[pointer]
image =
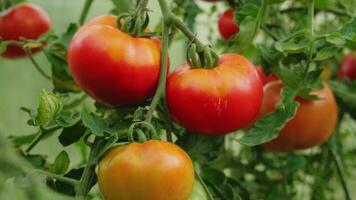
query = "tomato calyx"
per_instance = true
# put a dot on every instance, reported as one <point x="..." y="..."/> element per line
<point x="134" y="23"/>
<point x="201" y="57"/>
<point x="144" y="131"/>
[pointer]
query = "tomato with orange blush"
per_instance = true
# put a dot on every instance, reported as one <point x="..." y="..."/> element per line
<point x="312" y="125"/>
<point x="154" y="170"/>
<point x="22" y="21"/>
<point x="215" y="101"/>
<point x="113" y="67"/>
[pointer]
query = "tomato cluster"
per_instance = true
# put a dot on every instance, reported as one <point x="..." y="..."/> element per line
<point x="119" y="69"/>
<point x="22" y="21"/>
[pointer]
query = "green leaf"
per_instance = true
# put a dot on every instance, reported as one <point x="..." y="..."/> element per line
<point x="96" y="124"/>
<point x="106" y="144"/>
<point x="247" y="32"/>
<point x="61" y="163"/>
<point x="291" y="75"/>
<point x="270" y="2"/>
<point x="201" y="148"/>
<point x="198" y="192"/>
<point x="294" y="163"/>
<point x="66" y="188"/>
<point x="23" y="139"/>
<point x="246" y="10"/>
<point x="335" y="38"/>
<point x="56" y="53"/>
<point x="70" y="135"/>
<point x="348" y="31"/>
<point x="292" y="47"/>
<point x="68" y="35"/>
<point x="49" y="108"/>
<point x="345" y="93"/>
<point x="268" y="128"/>
<point x="123" y="5"/>
<point x="67" y="119"/>
<point x="326" y="53"/>
<point x="214" y="176"/>
<point x="37" y="161"/>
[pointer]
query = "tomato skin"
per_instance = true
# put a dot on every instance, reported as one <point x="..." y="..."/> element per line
<point x="271" y="77"/>
<point x="261" y="73"/>
<point x="266" y="79"/>
<point x="154" y="170"/>
<point x="215" y="101"/>
<point x="313" y="124"/>
<point x="348" y="67"/>
<point x="227" y="25"/>
<point x="22" y="21"/>
<point x="113" y="67"/>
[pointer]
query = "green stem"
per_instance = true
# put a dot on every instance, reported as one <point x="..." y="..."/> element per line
<point x="310" y="24"/>
<point x="260" y="16"/>
<point x="89" y="172"/>
<point x="296" y="34"/>
<point x="70" y="181"/>
<point x="339" y="167"/>
<point x="141" y="4"/>
<point x="168" y="121"/>
<point x="39" y="69"/>
<point x="85" y="11"/>
<point x="171" y="19"/>
<point x="200" y="179"/>
<point x="311" y="10"/>
<point x="163" y="74"/>
<point x="335" y="11"/>
<point x="270" y="33"/>
<point x="41" y="134"/>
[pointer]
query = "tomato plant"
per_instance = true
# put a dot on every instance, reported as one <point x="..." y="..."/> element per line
<point x="22" y="21"/>
<point x="215" y="128"/>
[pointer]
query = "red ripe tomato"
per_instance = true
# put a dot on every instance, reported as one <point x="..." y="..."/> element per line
<point x="313" y="124"/>
<point x="271" y="77"/>
<point x="215" y="101"/>
<point x="348" y="67"/>
<point x="113" y="67"/>
<point x="227" y="25"/>
<point x="265" y="79"/>
<point x="22" y="21"/>
<point x="261" y="73"/>
<point x="155" y="170"/>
